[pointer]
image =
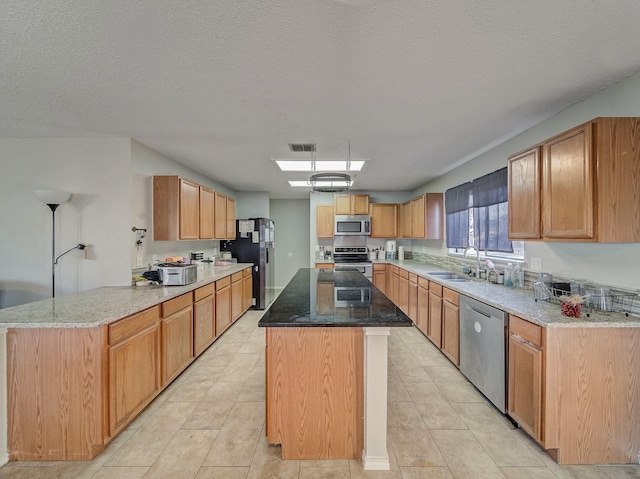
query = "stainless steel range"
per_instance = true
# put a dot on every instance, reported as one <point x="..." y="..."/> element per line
<point x="350" y="258"/>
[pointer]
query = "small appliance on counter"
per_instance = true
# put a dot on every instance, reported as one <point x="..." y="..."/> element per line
<point x="390" y="247"/>
<point x="177" y="274"/>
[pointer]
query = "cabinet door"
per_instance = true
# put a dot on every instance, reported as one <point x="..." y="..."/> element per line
<point x="223" y="309"/>
<point x="177" y="343"/>
<point x="231" y="219"/>
<point x="359" y="204"/>
<point x="524" y="195"/>
<point x="525" y="386"/>
<point x="406" y="220"/>
<point x="324" y="221"/>
<point x="206" y="213"/>
<point x="342" y="204"/>
<point x="418" y="220"/>
<point x="413" y="298"/>
<point x="434" y="332"/>
<point x="567" y="200"/>
<point x="189" y="210"/>
<point x="423" y="308"/>
<point x="392" y="285"/>
<point x="434" y="221"/>
<point x="220" y="216"/>
<point x="380" y="277"/>
<point x="403" y="292"/>
<point x="203" y="324"/>
<point x="236" y="296"/>
<point x="451" y="331"/>
<point x="134" y="375"/>
<point x="384" y="220"/>
<point x="247" y="289"/>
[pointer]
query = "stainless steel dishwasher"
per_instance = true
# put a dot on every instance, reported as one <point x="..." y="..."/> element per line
<point x="483" y="342"/>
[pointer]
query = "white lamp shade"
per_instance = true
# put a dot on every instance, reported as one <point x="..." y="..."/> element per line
<point x="53" y="197"/>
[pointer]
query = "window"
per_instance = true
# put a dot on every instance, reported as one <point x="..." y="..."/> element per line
<point x="477" y="217"/>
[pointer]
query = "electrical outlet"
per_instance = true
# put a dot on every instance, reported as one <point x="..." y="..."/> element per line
<point x="139" y="261"/>
<point x="536" y="264"/>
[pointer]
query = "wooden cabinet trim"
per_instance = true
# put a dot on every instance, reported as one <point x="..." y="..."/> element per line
<point x="176" y="304"/>
<point x="127" y="327"/>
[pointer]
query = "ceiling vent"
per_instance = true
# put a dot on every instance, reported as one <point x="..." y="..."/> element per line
<point x="297" y="147"/>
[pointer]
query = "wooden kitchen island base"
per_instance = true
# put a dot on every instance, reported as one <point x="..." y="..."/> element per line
<point x="327" y="393"/>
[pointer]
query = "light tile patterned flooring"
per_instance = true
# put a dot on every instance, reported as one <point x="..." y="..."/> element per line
<point x="209" y="424"/>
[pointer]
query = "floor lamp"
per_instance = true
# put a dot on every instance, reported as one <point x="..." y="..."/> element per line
<point x="53" y="199"/>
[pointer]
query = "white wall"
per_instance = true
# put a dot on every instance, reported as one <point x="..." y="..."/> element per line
<point x="97" y="173"/>
<point x="292" y="238"/>
<point x="252" y="205"/>
<point x="613" y="264"/>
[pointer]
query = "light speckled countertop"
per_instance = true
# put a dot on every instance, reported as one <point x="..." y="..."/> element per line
<point x="104" y="305"/>
<point x="518" y="301"/>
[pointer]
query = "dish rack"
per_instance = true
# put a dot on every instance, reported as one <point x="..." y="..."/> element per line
<point x="594" y="298"/>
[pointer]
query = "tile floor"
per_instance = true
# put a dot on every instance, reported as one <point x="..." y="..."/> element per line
<point x="209" y="424"/>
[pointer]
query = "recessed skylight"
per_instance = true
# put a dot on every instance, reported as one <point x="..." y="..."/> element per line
<point x="319" y="165"/>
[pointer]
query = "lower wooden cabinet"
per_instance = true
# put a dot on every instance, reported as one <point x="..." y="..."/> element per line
<point x="402" y="299"/>
<point x="392" y="284"/>
<point x="134" y="366"/>
<point x="247" y="289"/>
<point x="423" y="305"/>
<point x="434" y="329"/>
<point x="525" y="375"/>
<point x="451" y="325"/>
<point x="413" y="298"/>
<point x="223" y="305"/>
<point x="236" y="296"/>
<point x="204" y="320"/>
<point x="380" y="277"/>
<point x="177" y="336"/>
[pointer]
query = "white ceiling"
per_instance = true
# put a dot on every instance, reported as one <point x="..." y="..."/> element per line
<point x="222" y="86"/>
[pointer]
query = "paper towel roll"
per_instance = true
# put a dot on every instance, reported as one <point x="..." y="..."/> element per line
<point x="400" y="253"/>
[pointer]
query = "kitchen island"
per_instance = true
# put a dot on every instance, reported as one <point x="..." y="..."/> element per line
<point x="326" y="367"/>
<point x="81" y="367"/>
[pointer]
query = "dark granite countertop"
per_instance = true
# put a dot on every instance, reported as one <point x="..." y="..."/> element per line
<point x="310" y="300"/>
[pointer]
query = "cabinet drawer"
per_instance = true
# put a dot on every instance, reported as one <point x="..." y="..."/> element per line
<point x="247" y="272"/>
<point x="223" y="283"/>
<point x="127" y="327"/>
<point x="413" y="278"/>
<point x="423" y="282"/>
<point x="236" y="276"/>
<point x="451" y="296"/>
<point x="435" y="288"/>
<point x="176" y="304"/>
<point x="403" y="273"/>
<point x="379" y="267"/>
<point x="324" y="265"/>
<point x="526" y="330"/>
<point x="393" y="269"/>
<point x="203" y="292"/>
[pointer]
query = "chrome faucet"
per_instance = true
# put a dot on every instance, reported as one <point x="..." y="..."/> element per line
<point x="464" y="255"/>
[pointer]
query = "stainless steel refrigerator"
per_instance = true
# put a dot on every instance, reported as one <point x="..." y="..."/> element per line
<point x="254" y="243"/>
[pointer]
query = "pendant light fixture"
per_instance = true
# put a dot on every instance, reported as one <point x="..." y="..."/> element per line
<point x="332" y="182"/>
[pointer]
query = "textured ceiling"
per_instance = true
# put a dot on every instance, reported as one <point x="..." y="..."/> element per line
<point x="223" y="86"/>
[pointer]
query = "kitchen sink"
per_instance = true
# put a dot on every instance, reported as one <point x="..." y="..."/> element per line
<point x="449" y="276"/>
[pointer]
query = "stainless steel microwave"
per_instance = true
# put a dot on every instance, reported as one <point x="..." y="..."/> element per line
<point x="359" y="225"/>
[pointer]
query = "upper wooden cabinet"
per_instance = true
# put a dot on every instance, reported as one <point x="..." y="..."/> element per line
<point x="207" y="203"/>
<point x="384" y="220"/>
<point x="422" y="217"/>
<point x="224" y="217"/>
<point x="351" y="204"/>
<point x="579" y="185"/>
<point x="184" y="210"/>
<point x="524" y="195"/>
<point x="324" y="221"/>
